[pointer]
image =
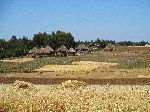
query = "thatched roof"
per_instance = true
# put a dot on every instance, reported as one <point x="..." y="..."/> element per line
<point x="48" y="49"/>
<point x="40" y="51"/>
<point x="93" y="44"/>
<point x="62" y="49"/>
<point x="82" y="47"/>
<point x="33" y="50"/>
<point x="93" y="48"/>
<point x="110" y="47"/>
<point x="71" y="50"/>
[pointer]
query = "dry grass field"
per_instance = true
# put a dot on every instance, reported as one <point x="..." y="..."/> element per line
<point x="92" y="98"/>
<point x="114" y="82"/>
<point x="77" y="67"/>
<point x="19" y="60"/>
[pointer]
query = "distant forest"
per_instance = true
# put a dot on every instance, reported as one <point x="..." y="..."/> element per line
<point x="16" y="47"/>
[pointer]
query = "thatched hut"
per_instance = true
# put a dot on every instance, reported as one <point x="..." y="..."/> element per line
<point x="33" y="50"/>
<point x="71" y="52"/>
<point x="82" y="48"/>
<point x="40" y="52"/>
<point x="48" y="51"/>
<point x="62" y="51"/>
<point x="110" y="47"/>
<point x="93" y="47"/>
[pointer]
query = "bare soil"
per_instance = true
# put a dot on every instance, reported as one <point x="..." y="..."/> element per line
<point x="118" y="81"/>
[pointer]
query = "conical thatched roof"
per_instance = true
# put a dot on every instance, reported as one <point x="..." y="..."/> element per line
<point x="110" y="47"/>
<point x="82" y="47"/>
<point x="71" y="50"/>
<point x="33" y="50"/>
<point x="48" y="49"/>
<point x="62" y="49"/>
<point x="39" y="51"/>
<point x="91" y="44"/>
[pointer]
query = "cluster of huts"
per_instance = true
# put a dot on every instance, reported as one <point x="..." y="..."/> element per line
<point x="63" y="51"/>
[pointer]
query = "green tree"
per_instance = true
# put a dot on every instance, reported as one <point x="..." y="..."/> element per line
<point x="40" y="39"/>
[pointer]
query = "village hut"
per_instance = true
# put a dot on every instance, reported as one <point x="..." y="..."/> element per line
<point x="32" y="52"/>
<point x="40" y="52"/>
<point x="62" y="51"/>
<point x="81" y="48"/>
<point x="110" y="47"/>
<point x="48" y="51"/>
<point x="93" y="47"/>
<point x="71" y="52"/>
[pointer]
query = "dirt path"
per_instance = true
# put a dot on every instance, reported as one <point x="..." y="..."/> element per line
<point x="121" y="81"/>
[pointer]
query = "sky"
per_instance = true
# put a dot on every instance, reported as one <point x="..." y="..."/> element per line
<point x="86" y="19"/>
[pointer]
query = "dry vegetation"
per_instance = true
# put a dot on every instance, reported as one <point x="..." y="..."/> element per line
<point x="75" y="95"/>
<point x="19" y="60"/>
<point x="125" y="60"/>
<point x="97" y="98"/>
<point x="22" y="85"/>
<point x="81" y="66"/>
<point x="73" y="84"/>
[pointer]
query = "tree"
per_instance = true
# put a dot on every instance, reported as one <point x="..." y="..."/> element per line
<point x="2" y="44"/>
<point x="40" y="39"/>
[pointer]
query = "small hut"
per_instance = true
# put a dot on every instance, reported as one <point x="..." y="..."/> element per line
<point x="32" y="52"/>
<point x="62" y="51"/>
<point x="93" y="47"/>
<point x="48" y="51"/>
<point x="82" y="48"/>
<point x="40" y="52"/>
<point x="110" y="47"/>
<point x="71" y="52"/>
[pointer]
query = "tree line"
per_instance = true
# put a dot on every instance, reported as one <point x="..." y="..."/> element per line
<point x="16" y="47"/>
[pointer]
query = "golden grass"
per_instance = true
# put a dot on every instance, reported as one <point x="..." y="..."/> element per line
<point x="23" y="85"/>
<point x="19" y="60"/>
<point x="94" y="98"/>
<point x="81" y="66"/>
<point x="73" y="84"/>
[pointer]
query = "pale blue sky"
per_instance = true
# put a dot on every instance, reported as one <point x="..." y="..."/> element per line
<point x="85" y="19"/>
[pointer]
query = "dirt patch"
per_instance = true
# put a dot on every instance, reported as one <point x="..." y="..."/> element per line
<point x="119" y="81"/>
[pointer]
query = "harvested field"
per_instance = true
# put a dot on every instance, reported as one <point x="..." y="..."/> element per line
<point x="22" y="85"/>
<point x="110" y="98"/>
<point x="19" y="60"/>
<point x="132" y="48"/>
<point x="81" y="66"/>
